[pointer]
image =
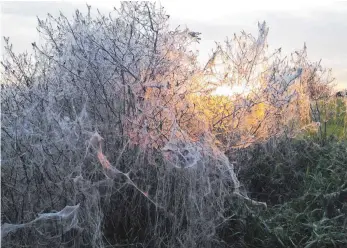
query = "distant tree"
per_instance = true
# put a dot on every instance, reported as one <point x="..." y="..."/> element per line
<point x="341" y="93"/>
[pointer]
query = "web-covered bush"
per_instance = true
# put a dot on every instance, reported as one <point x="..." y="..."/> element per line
<point x="109" y="138"/>
<point x="100" y="144"/>
<point x="275" y="95"/>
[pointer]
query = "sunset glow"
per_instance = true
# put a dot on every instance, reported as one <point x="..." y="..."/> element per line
<point x="226" y="90"/>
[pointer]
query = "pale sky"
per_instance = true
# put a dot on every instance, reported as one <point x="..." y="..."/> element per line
<point x="321" y="24"/>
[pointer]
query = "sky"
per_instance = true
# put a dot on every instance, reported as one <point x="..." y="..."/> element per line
<point x="321" y="24"/>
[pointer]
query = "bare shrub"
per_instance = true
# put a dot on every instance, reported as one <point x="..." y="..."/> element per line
<point x="98" y="122"/>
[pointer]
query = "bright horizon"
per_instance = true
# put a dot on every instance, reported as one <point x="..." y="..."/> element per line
<point x="321" y="24"/>
<point x="226" y="90"/>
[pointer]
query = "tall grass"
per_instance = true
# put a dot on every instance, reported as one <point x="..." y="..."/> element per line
<point x="304" y="185"/>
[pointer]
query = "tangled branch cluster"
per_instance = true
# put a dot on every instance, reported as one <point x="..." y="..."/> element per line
<point x="101" y="143"/>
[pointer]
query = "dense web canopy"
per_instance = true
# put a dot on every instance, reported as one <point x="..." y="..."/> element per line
<point x="111" y="136"/>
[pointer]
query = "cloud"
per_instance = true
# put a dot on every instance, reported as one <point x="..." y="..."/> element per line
<point x="322" y="25"/>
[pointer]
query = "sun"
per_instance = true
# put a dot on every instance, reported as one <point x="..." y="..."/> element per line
<point x="226" y="90"/>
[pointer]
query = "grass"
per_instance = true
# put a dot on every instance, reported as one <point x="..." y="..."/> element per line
<point x="305" y="187"/>
<point x="333" y="118"/>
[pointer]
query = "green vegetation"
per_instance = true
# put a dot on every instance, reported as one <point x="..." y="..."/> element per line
<point x="336" y="125"/>
<point x="305" y="187"/>
<point x="331" y="118"/>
